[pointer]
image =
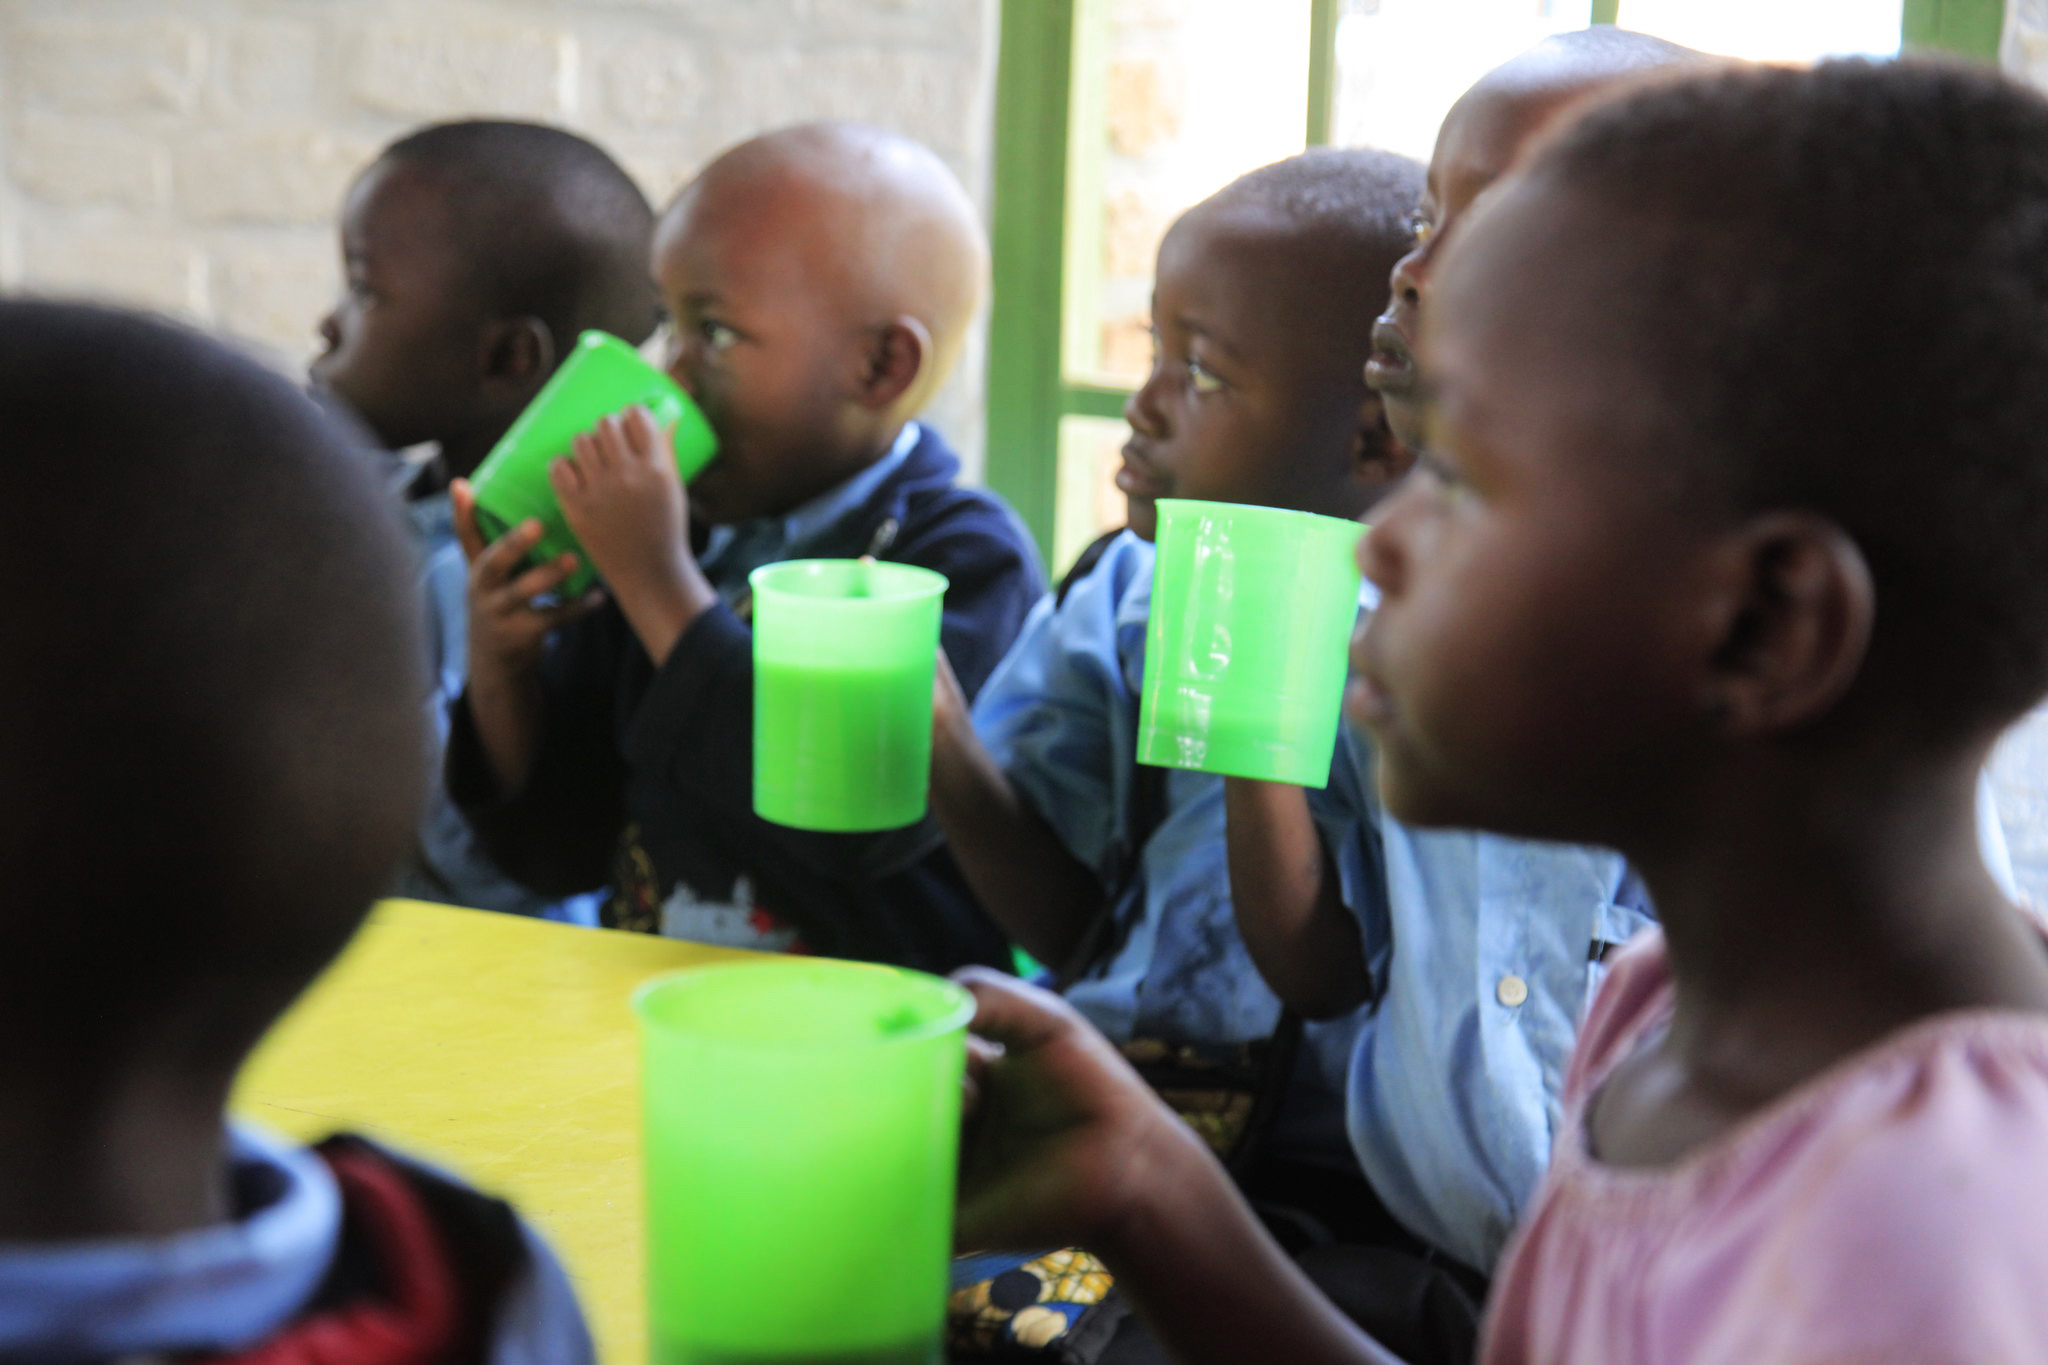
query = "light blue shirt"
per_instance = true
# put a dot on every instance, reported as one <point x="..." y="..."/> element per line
<point x="228" y="1287"/>
<point x="1483" y="953"/>
<point x="1060" y="716"/>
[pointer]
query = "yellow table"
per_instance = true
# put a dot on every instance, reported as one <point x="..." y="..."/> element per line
<point x="501" y="1048"/>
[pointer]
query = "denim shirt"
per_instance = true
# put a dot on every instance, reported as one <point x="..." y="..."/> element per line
<point x="1484" y="954"/>
<point x="1060" y="716"/>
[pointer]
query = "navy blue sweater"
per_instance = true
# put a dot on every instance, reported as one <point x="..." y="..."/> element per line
<point x="668" y="753"/>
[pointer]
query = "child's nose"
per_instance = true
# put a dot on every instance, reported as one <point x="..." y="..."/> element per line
<point x="1409" y="274"/>
<point x="1142" y="410"/>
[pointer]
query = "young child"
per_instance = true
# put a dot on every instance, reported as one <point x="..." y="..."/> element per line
<point x="1477" y="953"/>
<point x="475" y="253"/>
<point x="1672" y="579"/>
<point x="211" y="765"/>
<point x="1481" y="952"/>
<point x="1110" y="873"/>
<point x="820" y="281"/>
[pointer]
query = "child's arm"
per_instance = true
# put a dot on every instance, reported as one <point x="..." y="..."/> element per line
<point x="1066" y="1145"/>
<point x="1290" y="909"/>
<point x="1043" y="897"/>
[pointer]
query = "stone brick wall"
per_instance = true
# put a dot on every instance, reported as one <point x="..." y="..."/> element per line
<point x="190" y="155"/>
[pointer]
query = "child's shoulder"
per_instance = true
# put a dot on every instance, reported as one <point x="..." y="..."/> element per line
<point x="931" y="505"/>
<point x="1908" y="1185"/>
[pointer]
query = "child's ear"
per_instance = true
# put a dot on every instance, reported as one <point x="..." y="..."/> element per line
<point x="1379" y="459"/>
<point x="895" y="359"/>
<point x="1796" y="627"/>
<point x="516" y="357"/>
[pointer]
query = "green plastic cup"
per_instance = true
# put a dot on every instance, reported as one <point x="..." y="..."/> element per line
<point x="844" y="653"/>
<point x="1252" y="609"/>
<point x="602" y="376"/>
<point x="802" y="1142"/>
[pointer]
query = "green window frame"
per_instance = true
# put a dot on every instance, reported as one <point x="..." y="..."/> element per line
<point x="1051" y="84"/>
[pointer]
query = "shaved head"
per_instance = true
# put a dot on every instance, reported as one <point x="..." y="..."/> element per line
<point x="876" y="223"/>
<point x="1532" y="88"/>
<point x="821" y="280"/>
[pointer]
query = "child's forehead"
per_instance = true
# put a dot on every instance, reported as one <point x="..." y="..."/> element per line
<point x="760" y="233"/>
<point x="397" y="203"/>
<point x="1269" y="269"/>
<point x="1488" y="130"/>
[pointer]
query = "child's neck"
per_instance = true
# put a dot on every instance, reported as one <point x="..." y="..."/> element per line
<point x="142" y="1159"/>
<point x="1805" y="922"/>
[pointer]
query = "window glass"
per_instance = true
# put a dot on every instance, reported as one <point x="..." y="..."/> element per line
<point x="1772" y="30"/>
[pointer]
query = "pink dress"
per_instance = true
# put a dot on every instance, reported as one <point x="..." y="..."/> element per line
<point x="1895" y="1209"/>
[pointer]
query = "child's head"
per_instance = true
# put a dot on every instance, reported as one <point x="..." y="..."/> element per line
<point x="1262" y="311"/>
<point x="1481" y="137"/>
<point x="475" y="254"/>
<point x="214" y="748"/>
<point x="820" y="281"/>
<point x="1739" y="460"/>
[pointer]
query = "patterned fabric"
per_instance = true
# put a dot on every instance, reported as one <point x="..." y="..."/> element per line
<point x="1034" y="1306"/>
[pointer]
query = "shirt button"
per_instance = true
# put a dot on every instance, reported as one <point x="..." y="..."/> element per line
<point x="1511" y="991"/>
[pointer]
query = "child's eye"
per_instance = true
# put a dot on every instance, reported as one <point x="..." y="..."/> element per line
<point x="359" y="291"/>
<point x="1200" y="378"/>
<point x="717" y="335"/>
<point x="1421" y="227"/>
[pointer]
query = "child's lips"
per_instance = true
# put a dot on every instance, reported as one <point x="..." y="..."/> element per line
<point x="1391" y="366"/>
<point x="1137" y="479"/>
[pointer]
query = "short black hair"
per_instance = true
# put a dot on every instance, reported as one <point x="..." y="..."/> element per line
<point x="554" y="228"/>
<point x="1364" y="198"/>
<point x="1838" y="280"/>
<point x="213" y="748"/>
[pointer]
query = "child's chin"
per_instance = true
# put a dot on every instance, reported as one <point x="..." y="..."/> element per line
<point x="1413" y="800"/>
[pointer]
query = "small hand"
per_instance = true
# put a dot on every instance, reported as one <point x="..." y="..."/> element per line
<point x="1060" y="1128"/>
<point x="506" y="628"/>
<point x="621" y="496"/>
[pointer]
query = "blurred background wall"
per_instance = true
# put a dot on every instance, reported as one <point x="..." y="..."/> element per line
<point x="192" y="154"/>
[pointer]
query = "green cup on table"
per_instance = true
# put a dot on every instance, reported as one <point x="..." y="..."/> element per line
<point x="802" y="1122"/>
<point x="1252" y="610"/>
<point x="845" y="651"/>
<point x="601" y="377"/>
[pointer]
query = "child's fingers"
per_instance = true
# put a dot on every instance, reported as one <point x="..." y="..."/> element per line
<point x="496" y="562"/>
<point x="613" y="450"/>
<point x="544" y="578"/>
<point x="981" y="1055"/>
<point x="1011" y="1014"/>
<point x="643" y="434"/>
<point x="462" y="498"/>
<point x="565" y="475"/>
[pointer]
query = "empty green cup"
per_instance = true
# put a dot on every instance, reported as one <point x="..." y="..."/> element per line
<point x="1252" y="609"/>
<point x="602" y="376"/>
<point x="802" y="1142"/>
<point x="844" y="654"/>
